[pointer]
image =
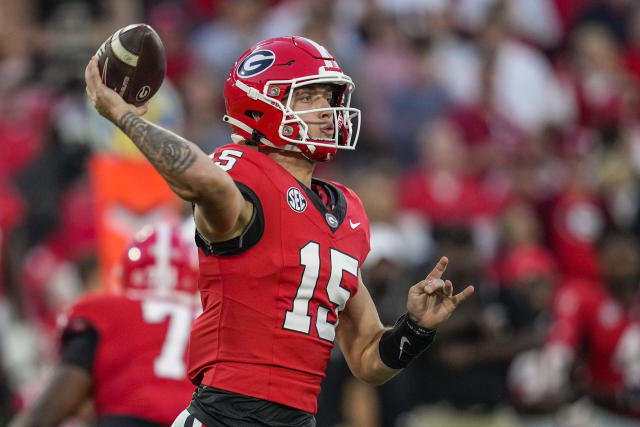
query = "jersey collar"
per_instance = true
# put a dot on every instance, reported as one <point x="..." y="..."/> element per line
<point x="335" y="213"/>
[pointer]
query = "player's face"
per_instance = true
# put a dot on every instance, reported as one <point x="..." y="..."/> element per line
<point x="311" y="97"/>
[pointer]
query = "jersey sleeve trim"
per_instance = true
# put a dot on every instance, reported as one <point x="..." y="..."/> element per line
<point x="79" y="347"/>
<point x="245" y="241"/>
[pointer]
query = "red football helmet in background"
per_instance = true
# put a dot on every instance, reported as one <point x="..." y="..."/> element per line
<point x="258" y="96"/>
<point x="158" y="258"/>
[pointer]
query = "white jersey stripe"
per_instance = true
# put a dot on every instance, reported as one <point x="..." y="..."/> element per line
<point x="181" y="419"/>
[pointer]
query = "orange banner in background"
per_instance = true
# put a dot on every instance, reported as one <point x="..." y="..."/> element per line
<point x="129" y="194"/>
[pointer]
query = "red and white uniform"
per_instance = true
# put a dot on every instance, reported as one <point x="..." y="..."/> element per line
<point x="585" y="313"/>
<point x="139" y="369"/>
<point x="270" y="312"/>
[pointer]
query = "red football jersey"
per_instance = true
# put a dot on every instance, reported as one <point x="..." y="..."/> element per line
<point x="140" y="362"/>
<point x="270" y="312"/>
<point x="584" y="312"/>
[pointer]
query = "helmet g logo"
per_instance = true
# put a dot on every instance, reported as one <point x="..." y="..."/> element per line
<point x="256" y="63"/>
<point x="296" y="200"/>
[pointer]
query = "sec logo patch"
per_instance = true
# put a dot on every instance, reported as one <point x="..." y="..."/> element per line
<point x="296" y="200"/>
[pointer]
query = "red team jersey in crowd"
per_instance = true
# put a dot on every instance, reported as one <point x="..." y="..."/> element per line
<point x="270" y="311"/>
<point x="586" y="314"/>
<point x="139" y="368"/>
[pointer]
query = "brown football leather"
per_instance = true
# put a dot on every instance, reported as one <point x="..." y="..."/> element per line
<point x="132" y="61"/>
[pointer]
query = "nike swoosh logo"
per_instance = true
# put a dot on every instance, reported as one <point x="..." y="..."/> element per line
<point x="353" y="224"/>
<point x="403" y="341"/>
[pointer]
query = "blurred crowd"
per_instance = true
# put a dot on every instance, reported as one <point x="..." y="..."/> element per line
<point x="504" y="134"/>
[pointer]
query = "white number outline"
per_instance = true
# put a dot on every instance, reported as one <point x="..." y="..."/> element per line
<point x="230" y="157"/>
<point x="170" y="362"/>
<point x="298" y="319"/>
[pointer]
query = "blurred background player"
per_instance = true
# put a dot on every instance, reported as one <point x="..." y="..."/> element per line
<point x="126" y="351"/>
<point x="593" y="345"/>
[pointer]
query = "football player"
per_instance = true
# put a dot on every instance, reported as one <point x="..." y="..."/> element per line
<point x="280" y="251"/>
<point x="127" y="351"/>
<point x="595" y="325"/>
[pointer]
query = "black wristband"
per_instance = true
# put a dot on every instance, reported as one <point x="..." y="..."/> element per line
<point x="403" y="343"/>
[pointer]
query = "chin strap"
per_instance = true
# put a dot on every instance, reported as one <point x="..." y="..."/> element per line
<point x="237" y="123"/>
<point x="251" y="92"/>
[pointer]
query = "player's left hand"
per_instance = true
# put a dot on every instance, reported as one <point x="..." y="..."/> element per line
<point x="431" y="301"/>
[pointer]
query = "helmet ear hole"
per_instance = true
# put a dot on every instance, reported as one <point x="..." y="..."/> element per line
<point x="254" y="115"/>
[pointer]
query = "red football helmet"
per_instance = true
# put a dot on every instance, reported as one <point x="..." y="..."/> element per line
<point x="160" y="259"/>
<point x="258" y="96"/>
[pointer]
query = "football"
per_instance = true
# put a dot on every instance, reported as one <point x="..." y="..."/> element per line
<point x="133" y="63"/>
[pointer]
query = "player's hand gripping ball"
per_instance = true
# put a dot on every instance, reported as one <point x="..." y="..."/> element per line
<point x="133" y="63"/>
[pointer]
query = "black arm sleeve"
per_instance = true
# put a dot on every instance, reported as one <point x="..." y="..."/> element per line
<point x="249" y="237"/>
<point x="79" y="345"/>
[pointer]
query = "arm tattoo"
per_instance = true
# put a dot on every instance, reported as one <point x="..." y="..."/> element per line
<point x="166" y="151"/>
